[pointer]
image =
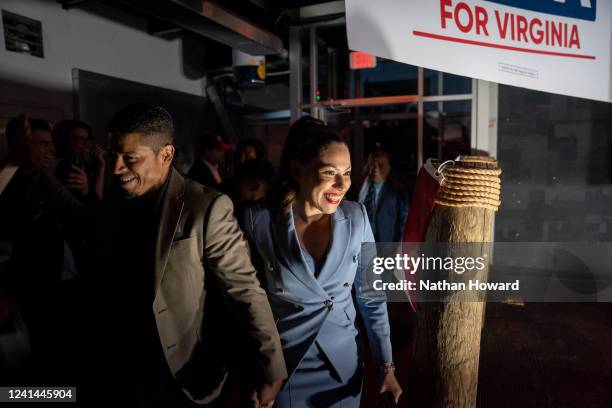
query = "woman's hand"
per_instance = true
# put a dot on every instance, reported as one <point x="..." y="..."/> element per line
<point x="388" y="383"/>
<point x="77" y="179"/>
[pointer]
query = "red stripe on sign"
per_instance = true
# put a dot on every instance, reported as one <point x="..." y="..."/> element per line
<point x="503" y="47"/>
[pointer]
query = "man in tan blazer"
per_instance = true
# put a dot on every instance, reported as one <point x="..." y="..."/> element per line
<point x="181" y="278"/>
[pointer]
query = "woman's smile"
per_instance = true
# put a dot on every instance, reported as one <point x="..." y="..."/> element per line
<point x="333" y="198"/>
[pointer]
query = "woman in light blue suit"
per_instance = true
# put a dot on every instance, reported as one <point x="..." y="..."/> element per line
<point x="307" y="245"/>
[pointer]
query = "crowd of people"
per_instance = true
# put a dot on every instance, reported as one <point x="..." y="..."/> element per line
<point x="166" y="290"/>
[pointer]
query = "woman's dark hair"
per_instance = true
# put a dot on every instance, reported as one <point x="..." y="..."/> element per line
<point x="307" y="138"/>
<point x="61" y="135"/>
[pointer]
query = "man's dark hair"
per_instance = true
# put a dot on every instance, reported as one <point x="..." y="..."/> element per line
<point x="260" y="170"/>
<point x="154" y="122"/>
<point x="61" y="134"/>
<point x="208" y="141"/>
<point x="13" y="128"/>
<point x="260" y="149"/>
<point x="380" y="153"/>
<point x="41" y="124"/>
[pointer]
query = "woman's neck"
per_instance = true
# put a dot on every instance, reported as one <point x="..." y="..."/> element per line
<point x="306" y="213"/>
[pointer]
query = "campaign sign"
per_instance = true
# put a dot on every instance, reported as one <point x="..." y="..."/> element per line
<point x="580" y="9"/>
<point x="557" y="46"/>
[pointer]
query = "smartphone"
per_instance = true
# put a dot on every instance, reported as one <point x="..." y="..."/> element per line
<point x="76" y="160"/>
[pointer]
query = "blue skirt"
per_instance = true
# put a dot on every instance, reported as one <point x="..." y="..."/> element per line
<point x="315" y="384"/>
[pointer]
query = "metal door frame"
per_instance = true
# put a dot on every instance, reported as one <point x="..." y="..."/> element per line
<point x="483" y="137"/>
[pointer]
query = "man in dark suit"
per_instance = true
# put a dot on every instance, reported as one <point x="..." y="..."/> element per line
<point x="206" y="169"/>
<point x="174" y="259"/>
<point x="385" y="199"/>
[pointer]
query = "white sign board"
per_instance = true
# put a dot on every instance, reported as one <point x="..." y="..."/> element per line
<point x="557" y="46"/>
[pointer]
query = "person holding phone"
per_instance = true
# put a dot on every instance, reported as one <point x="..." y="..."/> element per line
<point x="82" y="163"/>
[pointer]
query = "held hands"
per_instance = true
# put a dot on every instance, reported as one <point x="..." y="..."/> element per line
<point x="388" y="382"/>
<point x="77" y="179"/>
<point x="266" y="394"/>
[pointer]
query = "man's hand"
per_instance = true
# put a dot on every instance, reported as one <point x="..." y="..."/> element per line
<point x="100" y="154"/>
<point x="77" y="179"/>
<point x="266" y="394"/>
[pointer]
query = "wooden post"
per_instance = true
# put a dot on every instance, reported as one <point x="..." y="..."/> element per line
<point x="447" y="347"/>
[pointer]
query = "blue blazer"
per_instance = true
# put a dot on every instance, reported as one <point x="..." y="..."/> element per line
<point x="309" y="308"/>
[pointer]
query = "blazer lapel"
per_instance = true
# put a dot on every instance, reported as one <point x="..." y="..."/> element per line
<point x="171" y="210"/>
<point x="289" y="252"/>
<point x="341" y="235"/>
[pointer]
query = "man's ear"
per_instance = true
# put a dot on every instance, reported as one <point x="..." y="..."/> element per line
<point x="167" y="154"/>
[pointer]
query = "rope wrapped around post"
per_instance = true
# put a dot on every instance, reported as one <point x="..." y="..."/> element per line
<point x="472" y="181"/>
